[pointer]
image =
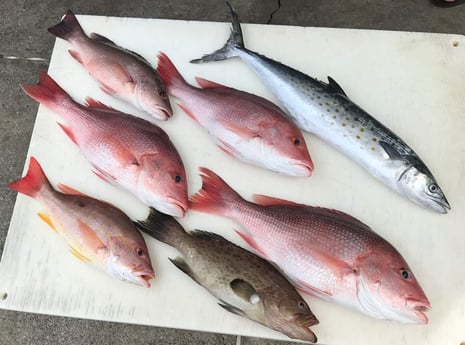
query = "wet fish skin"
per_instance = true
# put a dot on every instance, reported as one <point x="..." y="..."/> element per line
<point x="325" y="252"/>
<point x="123" y="73"/>
<point x="244" y="125"/>
<point x="325" y="110"/>
<point x="96" y="231"/>
<point x="124" y="150"/>
<point x="243" y="283"/>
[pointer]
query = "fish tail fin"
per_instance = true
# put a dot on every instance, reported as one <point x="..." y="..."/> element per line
<point x="68" y="27"/>
<point x="46" y="91"/>
<point x="169" y="73"/>
<point x="33" y="182"/>
<point x="163" y="228"/>
<point x="234" y="44"/>
<point x="215" y="196"/>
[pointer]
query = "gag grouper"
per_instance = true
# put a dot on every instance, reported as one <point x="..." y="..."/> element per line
<point x="325" y="110"/>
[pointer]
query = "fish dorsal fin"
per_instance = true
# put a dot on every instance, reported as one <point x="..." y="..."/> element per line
<point x="93" y="103"/>
<point x="69" y="190"/>
<point x="205" y="234"/>
<point x="391" y="151"/>
<point x="208" y="84"/>
<point x="264" y="200"/>
<point x="47" y="221"/>
<point x="335" y="86"/>
<point x="231" y="308"/>
<point x="245" y="291"/>
<point x="100" y="38"/>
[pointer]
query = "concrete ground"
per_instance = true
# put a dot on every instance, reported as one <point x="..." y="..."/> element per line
<point x="23" y="35"/>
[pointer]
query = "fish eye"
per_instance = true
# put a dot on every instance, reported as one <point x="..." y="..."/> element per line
<point x="433" y="188"/>
<point x="177" y="178"/>
<point x="162" y="93"/>
<point x="139" y="252"/>
<point x="296" y="141"/>
<point x="404" y="273"/>
<point x="301" y="305"/>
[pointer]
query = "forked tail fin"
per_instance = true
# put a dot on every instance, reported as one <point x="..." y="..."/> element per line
<point x="169" y="74"/>
<point x="215" y="196"/>
<point x="234" y="44"/>
<point x="69" y="27"/>
<point x="33" y="182"/>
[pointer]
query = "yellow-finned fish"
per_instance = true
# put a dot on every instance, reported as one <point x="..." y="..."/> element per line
<point x="96" y="231"/>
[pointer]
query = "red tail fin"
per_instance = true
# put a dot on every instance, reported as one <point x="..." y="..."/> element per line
<point x="215" y="196"/>
<point x="169" y="74"/>
<point x="33" y="182"/>
<point x="46" y="91"/>
<point x="68" y="27"/>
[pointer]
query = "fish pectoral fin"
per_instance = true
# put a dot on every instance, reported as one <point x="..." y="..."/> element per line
<point x="335" y="86"/>
<point x="245" y="291"/>
<point x="228" y="149"/>
<point x="242" y="132"/>
<point x="187" y="111"/>
<point x="78" y="254"/>
<point x="208" y="84"/>
<point x="99" y="38"/>
<point x="89" y="237"/>
<point x="251" y="242"/>
<point x="231" y="308"/>
<point x="183" y="266"/>
<point x="47" y="220"/>
<point x="265" y="200"/>
<point x="69" y="190"/>
<point x="390" y="151"/>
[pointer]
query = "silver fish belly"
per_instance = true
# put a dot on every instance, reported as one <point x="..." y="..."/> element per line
<point x="324" y="110"/>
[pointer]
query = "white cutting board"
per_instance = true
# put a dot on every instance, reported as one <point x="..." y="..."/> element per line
<point x="413" y="82"/>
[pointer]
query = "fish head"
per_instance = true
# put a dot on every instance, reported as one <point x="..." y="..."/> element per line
<point x="388" y="289"/>
<point x="286" y="150"/>
<point x="293" y="317"/>
<point x="129" y="260"/>
<point x="152" y="98"/>
<point x="163" y="184"/>
<point x="419" y="185"/>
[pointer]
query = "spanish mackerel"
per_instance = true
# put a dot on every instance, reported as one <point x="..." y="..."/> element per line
<point x="325" y="110"/>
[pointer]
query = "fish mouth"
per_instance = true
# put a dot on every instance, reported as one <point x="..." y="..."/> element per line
<point x="175" y="208"/>
<point x="441" y="205"/>
<point x="143" y="277"/>
<point x="303" y="168"/>
<point x="419" y="308"/>
<point x="305" y="333"/>
<point x="162" y="113"/>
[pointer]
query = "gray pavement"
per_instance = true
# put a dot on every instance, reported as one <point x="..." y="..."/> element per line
<point x="23" y="34"/>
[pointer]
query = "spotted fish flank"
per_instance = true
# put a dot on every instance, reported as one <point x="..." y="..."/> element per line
<point x="325" y="110"/>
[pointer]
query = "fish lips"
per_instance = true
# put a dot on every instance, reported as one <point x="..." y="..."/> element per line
<point x="174" y="207"/>
<point x="419" y="308"/>
<point x="440" y="205"/>
<point x="142" y="277"/>
<point x="305" y="333"/>
<point x="162" y="113"/>
<point x="302" y="168"/>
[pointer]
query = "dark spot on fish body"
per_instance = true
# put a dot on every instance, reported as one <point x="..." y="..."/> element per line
<point x="334" y="116"/>
<point x="375" y="140"/>
<point x="81" y="203"/>
<point x="362" y="129"/>
<point x="343" y="124"/>
<point x="358" y="137"/>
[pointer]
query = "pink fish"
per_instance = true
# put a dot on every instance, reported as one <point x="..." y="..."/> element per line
<point x="125" y="150"/>
<point x="123" y="74"/>
<point x="243" y="125"/>
<point x="96" y="231"/>
<point x="327" y="253"/>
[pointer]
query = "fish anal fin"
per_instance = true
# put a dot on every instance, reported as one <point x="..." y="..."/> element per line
<point x="75" y="55"/>
<point x="78" y="255"/>
<point x="69" y="133"/>
<point x="93" y="103"/>
<point x="251" y="242"/>
<point x="69" y="190"/>
<point x="265" y="200"/>
<point x="47" y="221"/>
<point x="245" y="291"/>
<point x="335" y="86"/>
<point x="188" y="112"/>
<point x="90" y="238"/>
<point x="231" y="308"/>
<point x="208" y="84"/>
<point x="183" y="266"/>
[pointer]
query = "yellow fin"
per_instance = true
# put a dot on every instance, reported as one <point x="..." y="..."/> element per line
<point x="47" y="220"/>
<point x="78" y="255"/>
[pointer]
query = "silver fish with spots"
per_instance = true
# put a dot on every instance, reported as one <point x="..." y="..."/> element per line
<point x="244" y="283"/>
<point x="325" y="110"/>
